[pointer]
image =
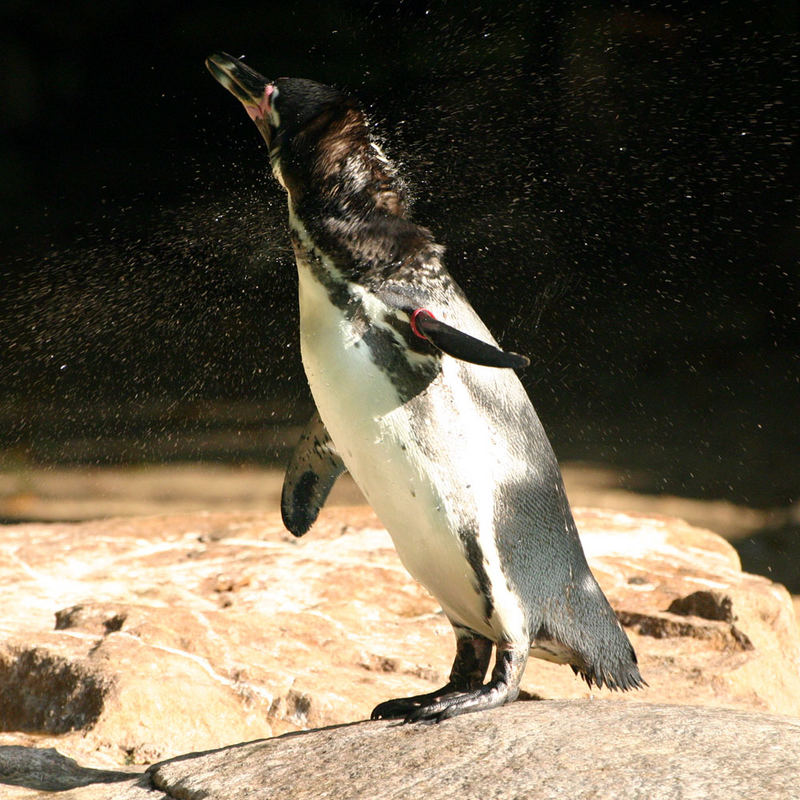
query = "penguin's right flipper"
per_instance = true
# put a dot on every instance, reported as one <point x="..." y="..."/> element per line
<point x="313" y="469"/>
<point x="461" y="345"/>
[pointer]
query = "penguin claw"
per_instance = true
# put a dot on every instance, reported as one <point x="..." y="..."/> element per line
<point x="492" y="695"/>
<point x="391" y="709"/>
<point x="400" y="708"/>
<point x="404" y="707"/>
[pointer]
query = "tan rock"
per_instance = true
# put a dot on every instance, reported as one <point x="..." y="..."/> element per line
<point x="131" y="640"/>
<point x="652" y="569"/>
<point x="796" y="604"/>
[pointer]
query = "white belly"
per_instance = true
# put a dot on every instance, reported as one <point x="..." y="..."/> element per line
<point x="423" y="492"/>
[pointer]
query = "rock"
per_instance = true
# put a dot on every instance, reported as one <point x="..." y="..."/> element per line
<point x="796" y="604"/>
<point x="551" y="749"/>
<point x="125" y="641"/>
<point x="582" y="749"/>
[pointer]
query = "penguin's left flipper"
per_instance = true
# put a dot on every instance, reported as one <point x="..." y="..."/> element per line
<point x="461" y="345"/>
<point x="313" y="469"/>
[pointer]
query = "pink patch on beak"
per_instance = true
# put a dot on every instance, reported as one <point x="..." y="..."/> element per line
<point x="262" y="109"/>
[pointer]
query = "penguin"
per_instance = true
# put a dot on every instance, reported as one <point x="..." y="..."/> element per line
<point x="418" y="402"/>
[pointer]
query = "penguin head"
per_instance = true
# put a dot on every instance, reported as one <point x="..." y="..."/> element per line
<point x="296" y="102"/>
<point x="281" y="109"/>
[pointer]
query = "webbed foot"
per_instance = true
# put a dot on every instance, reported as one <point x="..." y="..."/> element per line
<point x="457" y="698"/>
<point x="492" y="695"/>
<point x="402" y="707"/>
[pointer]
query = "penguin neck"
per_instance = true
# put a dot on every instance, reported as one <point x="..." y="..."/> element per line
<point x="347" y="205"/>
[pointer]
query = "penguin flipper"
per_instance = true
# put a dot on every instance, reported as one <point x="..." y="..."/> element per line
<point x="313" y="469"/>
<point x="461" y="345"/>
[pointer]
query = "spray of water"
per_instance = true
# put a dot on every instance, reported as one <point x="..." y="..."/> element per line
<point x="614" y="188"/>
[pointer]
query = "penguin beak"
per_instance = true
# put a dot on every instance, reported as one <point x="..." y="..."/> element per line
<point x="245" y="84"/>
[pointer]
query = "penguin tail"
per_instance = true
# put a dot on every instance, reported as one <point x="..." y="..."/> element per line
<point x="620" y="674"/>
<point x="611" y="661"/>
<point x="603" y="654"/>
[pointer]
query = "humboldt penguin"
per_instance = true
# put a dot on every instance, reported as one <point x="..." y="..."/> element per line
<point x="417" y="401"/>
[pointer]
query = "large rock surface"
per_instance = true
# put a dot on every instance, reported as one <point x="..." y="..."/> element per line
<point x="584" y="750"/>
<point x="125" y="641"/>
<point x="556" y="749"/>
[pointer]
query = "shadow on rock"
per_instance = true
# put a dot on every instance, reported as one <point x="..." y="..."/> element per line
<point x="47" y="770"/>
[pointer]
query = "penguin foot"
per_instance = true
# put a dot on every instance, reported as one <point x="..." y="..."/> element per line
<point x="401" y="707"/>
<point x="451" y="700"/>
<point x="469" y="669"/>
<point x="492" y="695"/>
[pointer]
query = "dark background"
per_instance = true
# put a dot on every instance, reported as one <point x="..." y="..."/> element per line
<point x="616" y="184"/>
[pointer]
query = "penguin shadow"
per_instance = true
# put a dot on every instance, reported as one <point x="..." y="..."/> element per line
<point x="527" y="696"/>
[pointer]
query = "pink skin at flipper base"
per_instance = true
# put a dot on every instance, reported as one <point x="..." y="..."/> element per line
<point x="262" y="109"/>
<point x="420" y="312"/>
